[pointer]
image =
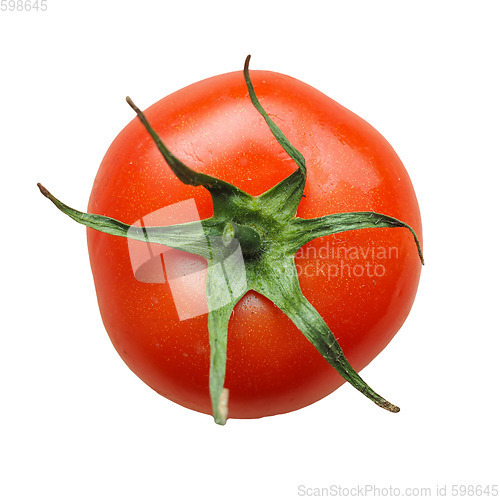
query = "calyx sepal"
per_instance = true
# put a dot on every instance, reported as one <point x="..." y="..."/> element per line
<point x="268" y="234"/>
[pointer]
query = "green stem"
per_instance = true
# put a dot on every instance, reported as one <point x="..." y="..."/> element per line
<point x="249" y="239"/>
<point x="226" y="285"/>
<point x="226" y="197"/>
<point x="191" y="237"/>
<point x="296" y="155"/>
<point x="266" y="260"/>
<point x="280" y="284"/>
<point x="182" y="171"/>
<point x="302" y="231"/>
<point x="283" y="199"/>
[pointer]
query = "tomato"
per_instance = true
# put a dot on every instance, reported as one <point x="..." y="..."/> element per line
<point x="362" y="282"/>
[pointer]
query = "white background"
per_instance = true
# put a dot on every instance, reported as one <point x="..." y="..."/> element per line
<point x="75" y="422"/>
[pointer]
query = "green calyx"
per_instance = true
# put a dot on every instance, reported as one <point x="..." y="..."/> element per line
<point x="249" y="244"/>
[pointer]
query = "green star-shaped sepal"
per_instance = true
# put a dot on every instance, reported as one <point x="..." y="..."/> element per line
<point x="249" y="244"/>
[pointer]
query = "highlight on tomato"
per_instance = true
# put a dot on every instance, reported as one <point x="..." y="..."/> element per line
<point x="253" y="244"/>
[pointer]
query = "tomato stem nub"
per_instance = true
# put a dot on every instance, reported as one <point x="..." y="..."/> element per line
<point x="248" y="238"/>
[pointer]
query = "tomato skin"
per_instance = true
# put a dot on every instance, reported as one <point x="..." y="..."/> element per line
<point x="213" y="127"/>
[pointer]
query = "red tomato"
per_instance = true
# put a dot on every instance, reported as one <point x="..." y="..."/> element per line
<point x="362" y="282"/>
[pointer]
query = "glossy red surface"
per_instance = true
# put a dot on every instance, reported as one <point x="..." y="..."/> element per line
<point x="362" y="282"/>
